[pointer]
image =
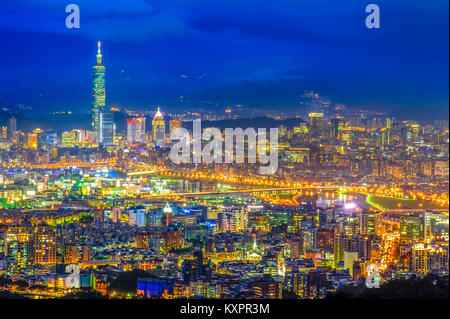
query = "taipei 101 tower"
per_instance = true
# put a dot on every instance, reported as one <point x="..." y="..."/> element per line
<point x="98" y="90"/>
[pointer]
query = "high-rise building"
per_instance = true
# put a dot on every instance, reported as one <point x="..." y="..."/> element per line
<point x="137" y="216"/>
<point x="337" y="124"/>
<point x="69" y="139"/>
<point x="12" y="127"/>
<point x="159" y="129"/>
<point x="349" y="258"/>
<point x="98" y="90"/>
<point x="349" y="225"/>
<point x="47" y="140"/>
<point x="167" y="214"/>
<point x="173" y="239"/>
<point x="18" y="251"/>
<point x="309" y="238"/>
<point x="44" y="245"/>
<point x="371" y="223"/>
<point x="316" y="122"/>
<point x="136" y="130"/>
<point x="116" y="214"/>
<point x="233" y="219"/>
<point x="411" y="228"/>
<point x="106" y="128"/>
<point x="342" y="243"/>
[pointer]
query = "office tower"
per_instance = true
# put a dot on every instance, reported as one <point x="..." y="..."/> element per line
<point x="159" y="129"/>
<point x="371" y="223"/>
<point x="18" y="250"/>
<point x="385" y="138"/>
<point x="154" y="218"/>
<point x="167" y="214"/>
<point x="362" y="245"/>
<point x="32" y="143"/>
<point x="350" y="226"/>
<point x="415" y="128"/>
<point x="350" y="256"/>
<point x="12" y="127"/>
<point x="137" y="216"/>
<point x="302" y="220"/>
<point x="411" y="228"/>
<point x="44" y="245"/>
<point x="429" y="258"/>
<point x="435" y="226"/>
<point x="106" y="128"/>
<point x="342" y="243"/>
<point x="69" y="139"/>
<point x="437" y="259"/>
<point x="419" y="259"/>
<point x="309" y="238"/>
<point x="316" y="123"/>
<point x="233" y="219"/>
<point x="46" y="140"/>
<point x="98" y="90"/>
<point x="136" y="130"/>
<point x="337" y="124"/>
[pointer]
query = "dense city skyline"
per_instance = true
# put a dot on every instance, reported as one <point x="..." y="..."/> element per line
<point x="160" y="51"/>
<point x="343" y="194"/>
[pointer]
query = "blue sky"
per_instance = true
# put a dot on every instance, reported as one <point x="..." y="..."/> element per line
<point x="257" y="53"/>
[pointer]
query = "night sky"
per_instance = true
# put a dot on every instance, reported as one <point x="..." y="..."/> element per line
<point x="256" y="53"/>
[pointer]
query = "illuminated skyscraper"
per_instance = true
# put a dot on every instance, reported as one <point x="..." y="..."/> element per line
<point x="12" y="127"/>
<point x="411" y="228"/>
<point x="337" y="124"/>
<point x="159" y="129"/>
<point x="316" y="122"/>
<point x="44" y="245"/>
<point x="371" y="223"/>
<point x="429" y="258"/>
<point x="136" y="130"/>
<point x="106" y="128"/>
<point x="233" y="219"/>
<point x="17" y="249"/>
<point x="98" y="90"/>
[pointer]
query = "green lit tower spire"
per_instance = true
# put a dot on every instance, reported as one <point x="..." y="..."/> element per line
<point x="98" y="89"/>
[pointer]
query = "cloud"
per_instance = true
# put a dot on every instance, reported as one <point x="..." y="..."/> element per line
<point x="118" y="20"/>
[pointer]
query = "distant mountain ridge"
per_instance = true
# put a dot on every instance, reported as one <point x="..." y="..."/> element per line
<point x="64" y="122"/>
